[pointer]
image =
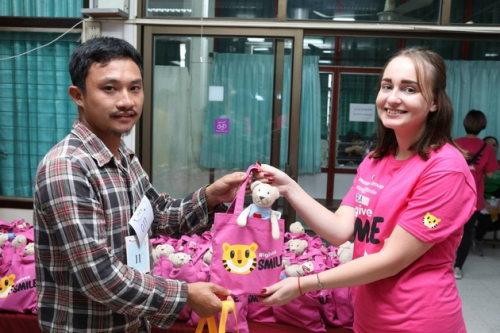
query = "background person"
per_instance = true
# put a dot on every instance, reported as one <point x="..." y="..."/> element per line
<point x="491" y="203"/>
<point x="86" y="190"/>
<point x="482" y="163"/>
<point x="492" y="185"/>
<point x="406" y="210"/>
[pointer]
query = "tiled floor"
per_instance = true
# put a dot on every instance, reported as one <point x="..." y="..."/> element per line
<point x="480" y="291"/>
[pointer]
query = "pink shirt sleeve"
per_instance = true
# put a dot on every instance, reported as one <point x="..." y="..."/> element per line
<point x="439" y="198"/>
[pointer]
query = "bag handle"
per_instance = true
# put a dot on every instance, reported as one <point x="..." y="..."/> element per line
<point x="474" y="158"/>
<point x="238" y="202"/>
<point x="212" y="326"/>
<point x="226" y="305"/>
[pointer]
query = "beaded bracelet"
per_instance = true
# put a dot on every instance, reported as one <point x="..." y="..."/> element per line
<point x="300" y="290"/>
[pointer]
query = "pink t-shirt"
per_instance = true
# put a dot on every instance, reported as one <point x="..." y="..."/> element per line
<point x="487" y="162"/>
<point x="432" y="200"/>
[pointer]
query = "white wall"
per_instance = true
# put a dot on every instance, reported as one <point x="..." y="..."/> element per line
<point x="10" y="215"/>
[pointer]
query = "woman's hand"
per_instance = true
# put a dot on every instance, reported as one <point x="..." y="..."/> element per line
<point x="276" y="177"/>
<point x="280" y="293"/>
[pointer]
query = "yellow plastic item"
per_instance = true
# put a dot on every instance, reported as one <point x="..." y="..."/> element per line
<point x="212" y="326"/>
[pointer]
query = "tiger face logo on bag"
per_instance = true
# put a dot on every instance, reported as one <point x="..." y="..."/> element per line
<point x="239" y="258"/>
<point x="6" y="285"/>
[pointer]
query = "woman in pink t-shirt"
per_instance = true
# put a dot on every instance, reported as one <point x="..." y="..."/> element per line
<point x="482" y="163"/>
<point x="405" y="210"/>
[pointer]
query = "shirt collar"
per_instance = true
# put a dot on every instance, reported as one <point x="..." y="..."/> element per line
<point x="95" y="146"/>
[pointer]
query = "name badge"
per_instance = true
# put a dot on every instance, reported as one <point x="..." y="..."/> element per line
<point x="142" y="219"/>
<point x="137" y="254"/>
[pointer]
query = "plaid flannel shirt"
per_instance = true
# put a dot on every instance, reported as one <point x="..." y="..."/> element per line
<point x="83" y="201"/>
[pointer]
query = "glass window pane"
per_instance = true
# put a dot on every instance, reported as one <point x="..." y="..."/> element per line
<point x="322" y="46"/>
<point x="448" y="49"/>
<point x="243" y="9"/>
<point x="484" y="50"/>
<point x="355" y="51"/>
<point x="367" y="52"/>
<point x="475" y="12"/>
<point x="37" y="8"/>
<point x="213" y="111"/>
<point x="36" y="111"/>
<point x="357" y="118"/>
<point x="374" y="10"/>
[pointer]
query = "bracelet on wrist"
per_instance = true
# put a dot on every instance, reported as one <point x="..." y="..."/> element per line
<point x="300" y="290"/>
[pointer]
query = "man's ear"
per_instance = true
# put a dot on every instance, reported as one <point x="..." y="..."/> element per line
<point x="76" y="95"/>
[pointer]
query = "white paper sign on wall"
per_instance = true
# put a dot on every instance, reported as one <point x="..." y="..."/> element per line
<point x="362" y="112"/>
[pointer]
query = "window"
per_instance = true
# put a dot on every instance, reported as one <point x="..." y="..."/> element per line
<point x="48" y="8"/>
<point x="239" y="9"/>
<point x="36" y="111"/>
<point x="475" y="12"/>
<point x="356" y="119"/>
<point x="375" y="10"/>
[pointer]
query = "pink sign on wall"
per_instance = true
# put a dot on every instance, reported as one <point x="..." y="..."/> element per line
<point x="221" y="125"/>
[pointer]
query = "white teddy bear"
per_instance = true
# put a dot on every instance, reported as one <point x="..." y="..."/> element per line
<point x="297" y="246"/>
<point x="263" y="196"/>
<point x="162" y="250"/>
<point x="297" y="228"/>
<point x="299" y="270"/>
<point x="3" y="239"/>
<point x="29" y="249"/>
<point x="207" y="257"/>
<point x="156" y="256"/>
<point x="179" y="259"/>
<point x="19" y="241"/>
<point x="344" y="252"/>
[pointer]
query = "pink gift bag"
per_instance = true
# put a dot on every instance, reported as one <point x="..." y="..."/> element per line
<point x="303" y="312"/>
<point x="19" y="285"/>
<point x="245" y="259"/>
<point x="259" y="312"/>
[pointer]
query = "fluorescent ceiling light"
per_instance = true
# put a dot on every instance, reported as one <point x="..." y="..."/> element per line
<point x="261" y="49"/>
<point x="325" y="62"/>
<point x="491" y="55"/>
<point x="347" y="19"/>
<point x="256" y="40"/>
<point x="327" y="51"/>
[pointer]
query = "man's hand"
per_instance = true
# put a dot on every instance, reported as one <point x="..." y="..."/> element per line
<point x="205" y="298"/>
<point x="224" y="189"/>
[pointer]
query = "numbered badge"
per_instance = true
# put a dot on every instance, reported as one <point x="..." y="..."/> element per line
<point x="141" y="219"/>
<point x="138" y="254"/>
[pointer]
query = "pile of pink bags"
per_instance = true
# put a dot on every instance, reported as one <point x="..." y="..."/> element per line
<point x="17" y="268"/>
<point x="314" y="311"/>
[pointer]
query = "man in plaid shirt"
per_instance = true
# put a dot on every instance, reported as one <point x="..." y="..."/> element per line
<point x="86" y="190"/>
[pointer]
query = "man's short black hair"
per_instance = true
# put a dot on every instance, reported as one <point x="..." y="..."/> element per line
<point x="100" y="50"/>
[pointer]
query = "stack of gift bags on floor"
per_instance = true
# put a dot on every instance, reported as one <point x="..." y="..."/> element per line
<point x="17" y="267"/>
<point x="189" y="258"/>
